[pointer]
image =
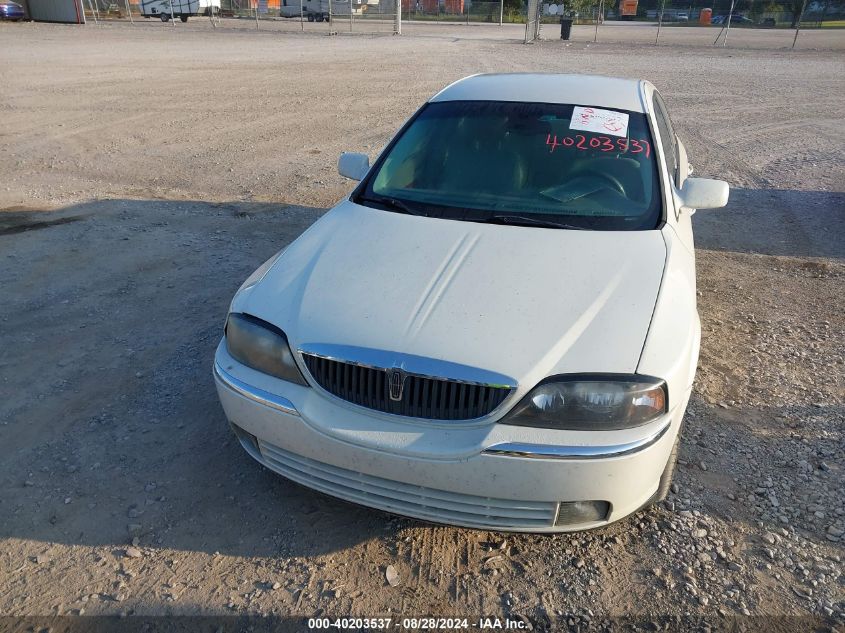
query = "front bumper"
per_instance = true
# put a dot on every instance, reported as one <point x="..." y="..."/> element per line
<point x="493" y="476"/>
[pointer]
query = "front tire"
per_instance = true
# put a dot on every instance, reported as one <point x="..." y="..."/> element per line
<point x="184" y="18"/>
<point x="165" y="17"/>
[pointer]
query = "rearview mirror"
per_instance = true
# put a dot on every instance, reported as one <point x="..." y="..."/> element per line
<point x="353" y="165"/>
<point x="704" y="193"/>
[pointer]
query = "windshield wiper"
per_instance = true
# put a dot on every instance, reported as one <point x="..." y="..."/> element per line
<point x="393" y="204"/>
<point x="519" y="220"/>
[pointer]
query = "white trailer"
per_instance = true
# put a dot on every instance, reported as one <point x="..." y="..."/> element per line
<point x="290" y="8"/>
<point x="319" y="10"/>
<point x="182" y="9"/>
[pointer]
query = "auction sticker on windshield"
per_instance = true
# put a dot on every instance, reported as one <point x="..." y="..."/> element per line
<point x="598" y="120"/>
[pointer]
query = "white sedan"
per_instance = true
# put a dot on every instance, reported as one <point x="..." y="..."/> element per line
<point x="498" y="328"/>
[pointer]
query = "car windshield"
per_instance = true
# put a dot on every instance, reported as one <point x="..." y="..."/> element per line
<point x="555" y="165"/>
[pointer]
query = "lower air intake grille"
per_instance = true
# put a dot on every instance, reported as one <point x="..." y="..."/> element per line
<point x="429" y="504"/>
<point x="419" y="396"/>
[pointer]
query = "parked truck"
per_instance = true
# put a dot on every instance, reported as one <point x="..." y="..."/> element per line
<point x="627" y="9"/>
<point x="182" y="9"/>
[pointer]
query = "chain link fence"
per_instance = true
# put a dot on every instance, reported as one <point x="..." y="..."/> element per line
<point x="329" y="16"/>
<point x="654" y="21"/>
<point x="747" y="20"/>
<point x="745" y="13"/>
<point x="469" y="11"/>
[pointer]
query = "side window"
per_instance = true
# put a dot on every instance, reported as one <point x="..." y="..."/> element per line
<point x="667" y="137"/>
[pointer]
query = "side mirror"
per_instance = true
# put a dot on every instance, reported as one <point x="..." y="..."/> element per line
<point x="353" y="165"/>
<point x="704" y="193"/>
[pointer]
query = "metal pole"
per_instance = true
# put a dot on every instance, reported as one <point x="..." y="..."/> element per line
<point x="172" y="17"/>
<point x="798" y="24"/>
<point x="397" y="24"/>
<point x="598" y="17"/>
<point x="728" y="25"/>
<point x="660" y="21"/>
<point x="129" y="11"/>
<point x="93" y="13"/>
<point x="527" y="21"/>
<point x="501" y="10"/>
<point x="256" y="14"/>
<point x="301" y="21"/>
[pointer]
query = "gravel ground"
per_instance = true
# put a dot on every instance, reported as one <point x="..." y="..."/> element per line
<point x="144" y="173"/>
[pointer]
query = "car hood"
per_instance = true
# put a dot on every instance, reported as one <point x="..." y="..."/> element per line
<point x="522" y="302"/>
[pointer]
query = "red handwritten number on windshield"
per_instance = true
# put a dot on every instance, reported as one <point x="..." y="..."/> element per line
<point x="600" y="143"/>
<point x="638" y="146"/>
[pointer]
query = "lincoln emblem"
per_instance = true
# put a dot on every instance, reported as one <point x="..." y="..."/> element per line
<point x="396" y="383"/>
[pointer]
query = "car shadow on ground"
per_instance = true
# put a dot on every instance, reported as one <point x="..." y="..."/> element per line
<point x="775" y="222"/>
<point x="110" y="426"/>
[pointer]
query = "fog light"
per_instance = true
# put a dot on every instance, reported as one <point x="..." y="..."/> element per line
<point x="575" y="512"/>
<point x="247" y="440"/>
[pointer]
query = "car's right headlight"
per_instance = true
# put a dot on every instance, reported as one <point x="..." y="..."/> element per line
<point x="261" y="346"/>
<point x="591" y="403"/>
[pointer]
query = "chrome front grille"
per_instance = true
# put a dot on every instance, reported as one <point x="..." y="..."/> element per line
<point x="420" y="396"/>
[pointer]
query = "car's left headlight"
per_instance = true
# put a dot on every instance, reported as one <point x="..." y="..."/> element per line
<point x="261" y="346"/>
<point x="591" y="403"/>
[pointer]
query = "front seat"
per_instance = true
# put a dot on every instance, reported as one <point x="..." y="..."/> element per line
<point x="482" y="158"/>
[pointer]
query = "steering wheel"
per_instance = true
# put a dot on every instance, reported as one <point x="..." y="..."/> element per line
<point x="610" y="179"/>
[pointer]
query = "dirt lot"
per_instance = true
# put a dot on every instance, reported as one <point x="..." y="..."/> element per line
<point x="144" y="172"/>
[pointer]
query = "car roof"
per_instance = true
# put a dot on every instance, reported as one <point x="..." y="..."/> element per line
<point x="588" y="90"/>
